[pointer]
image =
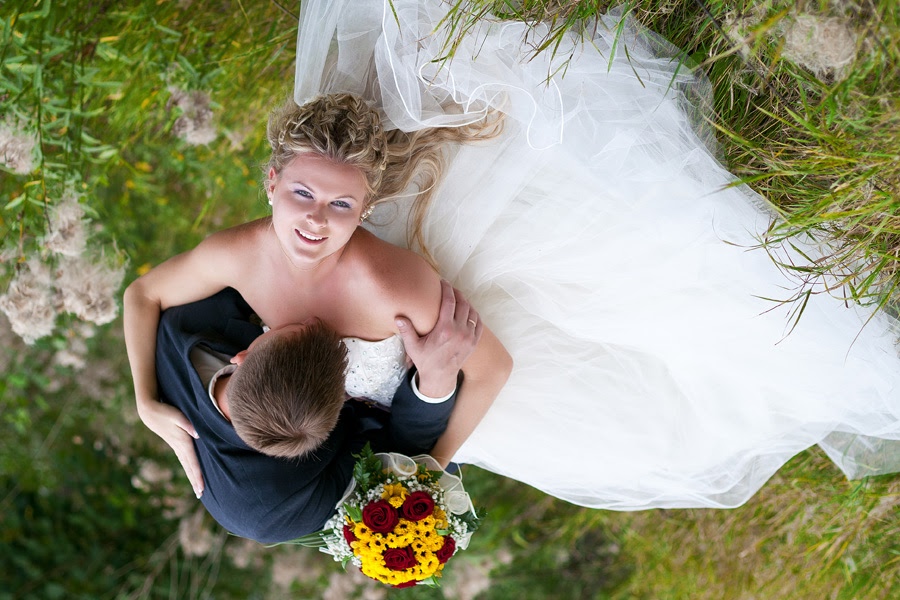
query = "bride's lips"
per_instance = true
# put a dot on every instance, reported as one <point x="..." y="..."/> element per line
<point x="309" y="238"/>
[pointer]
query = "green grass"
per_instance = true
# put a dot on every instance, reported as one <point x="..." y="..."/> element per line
<point x="822" y="147"/>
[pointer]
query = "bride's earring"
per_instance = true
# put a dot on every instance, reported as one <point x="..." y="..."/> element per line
<point x="366" y="212"/>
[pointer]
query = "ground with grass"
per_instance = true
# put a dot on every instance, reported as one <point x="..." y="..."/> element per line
<point x="128" y="132"/>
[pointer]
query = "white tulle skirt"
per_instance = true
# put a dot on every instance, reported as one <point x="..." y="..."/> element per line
<point x="598" y="241"/>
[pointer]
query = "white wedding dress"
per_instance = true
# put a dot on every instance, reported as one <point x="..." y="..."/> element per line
<point x="596" y="241"/>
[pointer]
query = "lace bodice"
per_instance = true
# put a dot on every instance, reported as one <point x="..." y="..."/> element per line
<point x="375" y="369"/>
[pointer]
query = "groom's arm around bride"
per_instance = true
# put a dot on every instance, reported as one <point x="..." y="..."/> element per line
<point x="275" y="499"/>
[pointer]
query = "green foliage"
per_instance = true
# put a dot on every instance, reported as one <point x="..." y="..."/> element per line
<point x="91" y="81"/>
<point x="368" y="471"/>
<point x="85" y="533"/>
<point x="95" y="82"/>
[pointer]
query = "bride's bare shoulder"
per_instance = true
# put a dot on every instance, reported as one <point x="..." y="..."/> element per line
<point x="241" y="248"/>
<point x="238" y="238"/>
<point x="389" y="263"/>
<point x="401" y="278"/>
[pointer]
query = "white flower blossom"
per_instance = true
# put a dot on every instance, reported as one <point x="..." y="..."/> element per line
<point x="236" y="139"/>
<point x="243" y="552"/>
<point x="822" y="45"/>
<point x="195" y="125"/>
<point x="28" y="302"/>
<point x="17" y="146"/>
<point x="151" y="472"/>
<point x="353" y="584"/>
<point x="66" y="233"/>
<point x="292" y="565"/>
<point x="193" y="536"/>
<point x="74" y="356"/>
<point x="88" y="288"/>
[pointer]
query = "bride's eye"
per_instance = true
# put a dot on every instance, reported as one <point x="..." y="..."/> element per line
<point x="341" y="204"/>
<point x="303" y="193"/>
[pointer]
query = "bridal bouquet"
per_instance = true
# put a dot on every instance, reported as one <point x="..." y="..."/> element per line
<point x="401" y="519"/>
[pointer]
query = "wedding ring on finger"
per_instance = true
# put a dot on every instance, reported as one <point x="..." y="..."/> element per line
<point x="474" y="324"/>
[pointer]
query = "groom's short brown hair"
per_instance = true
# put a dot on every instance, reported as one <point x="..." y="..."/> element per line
<point x="285" y="398"/>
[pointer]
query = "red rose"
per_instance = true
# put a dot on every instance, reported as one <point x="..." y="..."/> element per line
<point x="409" y="583"/>
<point x="399" y="559"/>
<point x="447" y="550"/>
<point x="380" y="516"/>
<point x="417" y="506"/>
<point x="349" y="535"/>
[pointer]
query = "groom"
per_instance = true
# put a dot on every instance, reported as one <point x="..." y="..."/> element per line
<point x="271" y="499"/>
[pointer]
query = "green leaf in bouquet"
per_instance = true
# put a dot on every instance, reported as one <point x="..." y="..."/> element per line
<point x="353" y="512"/>
<point x="470" y="520"/>
<point x="367" y="471"/>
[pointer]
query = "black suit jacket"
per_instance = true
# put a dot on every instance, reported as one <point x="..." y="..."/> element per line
<point x="257" y="496"/>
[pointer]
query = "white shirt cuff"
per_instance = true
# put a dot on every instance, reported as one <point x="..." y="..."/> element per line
<point x="423" y="397"/>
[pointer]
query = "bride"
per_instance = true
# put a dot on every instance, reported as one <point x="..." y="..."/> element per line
<point x="599" y="240"/>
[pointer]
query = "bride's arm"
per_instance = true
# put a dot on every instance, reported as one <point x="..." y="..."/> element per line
<point x="485" y="373"/>
<point x="417" y="292"/>
<point x="185" y="278"/>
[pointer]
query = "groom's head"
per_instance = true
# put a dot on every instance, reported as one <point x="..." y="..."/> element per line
<point x="287" y="392"/>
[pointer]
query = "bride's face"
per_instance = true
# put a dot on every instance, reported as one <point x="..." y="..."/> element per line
<point x="316" y="206"/>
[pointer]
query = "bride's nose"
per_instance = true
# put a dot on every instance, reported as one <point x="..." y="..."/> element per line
<point x="316" y="217"/>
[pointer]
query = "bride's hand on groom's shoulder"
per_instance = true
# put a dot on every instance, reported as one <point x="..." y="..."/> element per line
<point x="173" y="427"/>
<point x="440" y="354"/>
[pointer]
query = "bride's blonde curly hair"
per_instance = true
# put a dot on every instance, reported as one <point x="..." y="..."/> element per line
<point x="347" y="130"/>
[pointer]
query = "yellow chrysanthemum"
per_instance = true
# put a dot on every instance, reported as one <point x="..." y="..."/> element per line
<point x="381" y="573"/>
<point x="404" y="526"/>
<point x="369" y="570"/>
<point x="399" y="541"/>
<point x="430" y="563"/>
<point x="360" y="530"/>
<point x="440" y="518"/>
<point x="392" y="490"/>
<point x="403" y="535"/>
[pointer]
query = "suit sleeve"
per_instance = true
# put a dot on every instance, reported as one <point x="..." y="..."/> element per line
<point x="416" y="425"/>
